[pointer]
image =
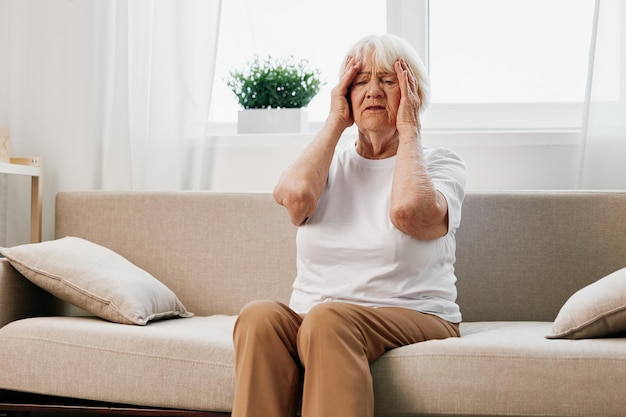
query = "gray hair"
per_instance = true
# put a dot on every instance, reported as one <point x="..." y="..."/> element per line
<point x="386" y="51"/>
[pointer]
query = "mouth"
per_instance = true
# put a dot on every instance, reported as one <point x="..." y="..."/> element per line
<point x="374" y="108"/>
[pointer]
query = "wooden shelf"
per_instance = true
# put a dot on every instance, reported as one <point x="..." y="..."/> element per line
<point x="30" y="167"/>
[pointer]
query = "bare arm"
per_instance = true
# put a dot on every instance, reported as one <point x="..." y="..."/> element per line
<point x="302" y="183"/>
<point x="417" y="209"/>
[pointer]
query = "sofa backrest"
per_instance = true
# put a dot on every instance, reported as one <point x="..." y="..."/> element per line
<point x="520" y="255"/>
<point x="215" y="251"/>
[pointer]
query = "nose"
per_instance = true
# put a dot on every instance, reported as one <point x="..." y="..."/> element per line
<point x="374" y="88"/>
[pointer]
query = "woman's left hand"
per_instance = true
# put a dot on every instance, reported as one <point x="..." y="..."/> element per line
<point x="410" y="103"/>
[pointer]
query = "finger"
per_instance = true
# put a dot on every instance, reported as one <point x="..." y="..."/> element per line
<point x="412" y="78"/>
<point x="411" y="88"/>
<point x="351" y="69"/>
<point x="349" y="62"/>
<point x="403" y="79"/>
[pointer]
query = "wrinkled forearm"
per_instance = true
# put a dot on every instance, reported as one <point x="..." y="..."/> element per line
<point x="417" y="209"/>
<point x="301" y="185"/>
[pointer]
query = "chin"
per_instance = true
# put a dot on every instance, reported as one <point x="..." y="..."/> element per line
<point x="375" y="126"/>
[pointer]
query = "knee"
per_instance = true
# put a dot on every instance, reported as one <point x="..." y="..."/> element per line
<point x="327" y="320"/>
<point x="262" y="318"/>
<point x="259" y="308"/>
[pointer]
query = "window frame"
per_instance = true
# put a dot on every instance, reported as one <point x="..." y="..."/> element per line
<point x="410" y="20"/>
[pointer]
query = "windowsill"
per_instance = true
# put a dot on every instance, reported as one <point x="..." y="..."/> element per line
<point x="431" y="137"/>
<point x="496" y="158"/>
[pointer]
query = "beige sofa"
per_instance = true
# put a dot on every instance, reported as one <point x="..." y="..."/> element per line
<point x="520" y="257"/>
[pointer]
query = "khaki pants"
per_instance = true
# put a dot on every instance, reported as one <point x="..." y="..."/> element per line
<point x="323" y="356"/>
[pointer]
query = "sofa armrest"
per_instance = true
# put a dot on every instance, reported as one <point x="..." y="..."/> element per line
<point x="19" y="298"/>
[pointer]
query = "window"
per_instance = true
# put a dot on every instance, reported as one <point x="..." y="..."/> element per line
<point x="509" y="51"/>
<point x="320" y="31"/>
<point x="493" y="63"/>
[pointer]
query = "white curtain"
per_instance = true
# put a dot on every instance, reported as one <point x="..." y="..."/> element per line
<point x="603" y="161"/>
<point x="111" y="94"/>
<point x="160" y="59"/>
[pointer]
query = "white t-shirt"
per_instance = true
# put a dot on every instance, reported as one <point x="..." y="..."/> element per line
<point x="350" y="251"/>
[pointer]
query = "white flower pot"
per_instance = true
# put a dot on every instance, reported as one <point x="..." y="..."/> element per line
<point x="272" y="121"/>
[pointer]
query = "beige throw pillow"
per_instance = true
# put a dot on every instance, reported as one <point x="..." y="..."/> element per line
<point x="95" y="279"/>
<point x="596" y="310"/>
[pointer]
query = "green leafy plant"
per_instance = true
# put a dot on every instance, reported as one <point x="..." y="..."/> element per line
<point x="278" y="83"/>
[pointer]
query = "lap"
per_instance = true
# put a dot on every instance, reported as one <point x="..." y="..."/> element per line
<point x="403" y="326"/>
<point x="376" y="330"/>
<point x="381" y="328"/>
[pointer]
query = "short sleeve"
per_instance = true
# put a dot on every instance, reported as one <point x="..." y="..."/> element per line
<point x="447" y="171"/>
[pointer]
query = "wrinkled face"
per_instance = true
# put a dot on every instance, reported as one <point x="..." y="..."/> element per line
<point x="375" y="97"/>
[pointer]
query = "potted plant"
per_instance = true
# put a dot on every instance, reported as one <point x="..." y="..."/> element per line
<point x="273" y="94"/>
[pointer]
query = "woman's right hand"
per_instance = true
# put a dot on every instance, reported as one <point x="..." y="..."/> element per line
<point x="301" y="185"/>
<point x="340" y="109"/>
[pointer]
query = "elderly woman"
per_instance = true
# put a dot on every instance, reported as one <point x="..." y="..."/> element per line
<point x="375" y="247"/>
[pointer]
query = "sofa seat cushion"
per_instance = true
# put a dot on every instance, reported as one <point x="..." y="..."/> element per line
<point x="503" y="369"/>
<point x="495" y="368"/>
<point x="187" y="364"/>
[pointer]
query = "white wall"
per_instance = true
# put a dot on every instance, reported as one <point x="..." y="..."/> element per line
<point x="50" y="101"/>
<point x="252" y="163"/>
<point x="494" y="159"/>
